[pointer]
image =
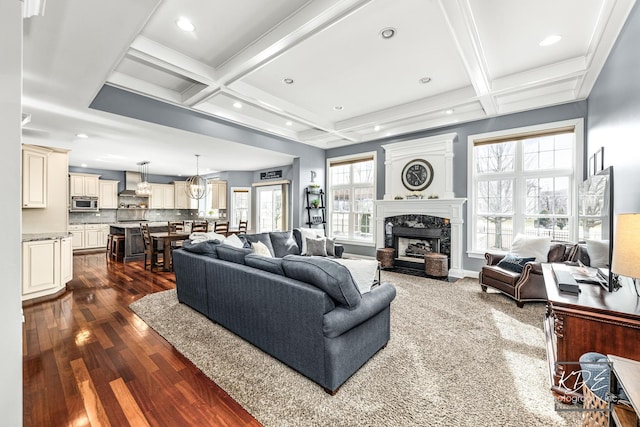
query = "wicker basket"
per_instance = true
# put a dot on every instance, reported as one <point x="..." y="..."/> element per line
<point x="436" y="265"/>
<point x="385" y="256"/>
<point x="596" y="410"/>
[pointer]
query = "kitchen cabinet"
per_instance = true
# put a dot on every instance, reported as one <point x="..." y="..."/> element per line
<point x="47" y="265"/>
<point x="218" y="194"/>
<point x="182" y="199"/>
<point x="77" y="235"/>
<point x="84" y="184"/>
<point x="162" y="196"/>
<point x="89" y="236"/>
<point x="34" y="176"/>
<point x="108" y="198"/>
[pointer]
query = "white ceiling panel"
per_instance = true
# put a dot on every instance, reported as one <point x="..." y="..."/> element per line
<point x="350" y="65"/>
<point x="510" y="31"/>
<point x="222" y="27"/>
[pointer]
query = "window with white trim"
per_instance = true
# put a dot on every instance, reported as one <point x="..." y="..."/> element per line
<point x="240" y="205"/>
<point x="523" y="182"/>
<point x="350" y="197"/>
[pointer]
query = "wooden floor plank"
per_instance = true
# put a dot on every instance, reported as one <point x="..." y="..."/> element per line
<point x="89" y="360"/>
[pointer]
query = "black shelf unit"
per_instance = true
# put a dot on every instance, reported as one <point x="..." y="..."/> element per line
<point x="315" y="215"/>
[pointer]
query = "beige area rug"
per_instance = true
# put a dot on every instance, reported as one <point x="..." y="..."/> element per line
<point x="457" y="357"/>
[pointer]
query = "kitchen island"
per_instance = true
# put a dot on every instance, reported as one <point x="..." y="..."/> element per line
<point x="133" y="243"/>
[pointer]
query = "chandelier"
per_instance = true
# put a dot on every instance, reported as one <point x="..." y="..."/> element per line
<point x="143" y="188"/>
<point x="196" y="185"/>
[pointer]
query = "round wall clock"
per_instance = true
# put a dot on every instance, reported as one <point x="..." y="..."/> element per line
<point x="417" y="175"/>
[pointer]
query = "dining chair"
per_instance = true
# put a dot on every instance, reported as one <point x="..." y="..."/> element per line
<point x="200" y="226"/>
<point x="242" y="227"/>
<point x="221" y="228"/>
<point x="175" y="226"/>
<point x="151" y="253"/>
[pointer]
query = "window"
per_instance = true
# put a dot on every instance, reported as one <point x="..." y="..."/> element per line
<point x="523" y="181"/>
<point x="240" y="205"/>
<point x="350" y="197"/>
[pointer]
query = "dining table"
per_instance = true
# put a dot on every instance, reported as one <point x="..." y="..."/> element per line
<point x="166" y="238"/>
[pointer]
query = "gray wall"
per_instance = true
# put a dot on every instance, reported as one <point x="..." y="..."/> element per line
<point x="614" y="115"/>
<point x="460" y="162"/>
<point x="10" y="251"/>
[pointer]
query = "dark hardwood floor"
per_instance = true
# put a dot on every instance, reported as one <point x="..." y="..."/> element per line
<point x="89" y="360"/>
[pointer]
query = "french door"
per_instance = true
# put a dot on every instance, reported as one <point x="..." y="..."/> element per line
<point x="271" y="214"/>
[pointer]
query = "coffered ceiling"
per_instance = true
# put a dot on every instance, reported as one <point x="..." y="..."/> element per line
<point x="318" y="72"/>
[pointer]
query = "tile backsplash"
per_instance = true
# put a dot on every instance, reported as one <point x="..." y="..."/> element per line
<point x="109" y="216"/>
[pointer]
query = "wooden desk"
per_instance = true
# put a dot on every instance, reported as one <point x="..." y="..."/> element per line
<point x="626" y="374"/>
<point x="593" y="320"/>
<point x="166" y="238"/>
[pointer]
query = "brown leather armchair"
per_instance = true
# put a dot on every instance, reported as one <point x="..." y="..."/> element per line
<point x="528" y="285"/>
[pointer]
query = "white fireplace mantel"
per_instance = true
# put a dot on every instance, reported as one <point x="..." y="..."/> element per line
<point x="444" y="208"/>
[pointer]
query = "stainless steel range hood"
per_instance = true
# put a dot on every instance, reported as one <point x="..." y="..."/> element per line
<point x="131" y="180"/>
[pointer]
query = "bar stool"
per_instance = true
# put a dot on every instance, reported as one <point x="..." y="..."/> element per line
<point x="109" y="244"/>
<point x="117" y="247"/>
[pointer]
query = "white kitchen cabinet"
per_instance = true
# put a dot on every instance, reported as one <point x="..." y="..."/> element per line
<point x="108" y="198"/>
<point x="47" y="265"/>
<point x="34" y="176"/>
<point x="182" y="199"/>
<point x="92" y="236"/>
<point x="104" y="235"/>
<point x="66" y="260"/>
<point x="77" y="235"/>
<point x="218" y="194"/>
<point x="84" y="184"/>
<point x="162" y="196"/>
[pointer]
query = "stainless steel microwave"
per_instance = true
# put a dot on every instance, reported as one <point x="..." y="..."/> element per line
<point x="84" y="204"/>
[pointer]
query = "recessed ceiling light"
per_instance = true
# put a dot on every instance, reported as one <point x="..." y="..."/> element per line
<point x="289" y="123"/>
<point x="387" y="33"/>
<point x="550" y="40"/>
<point x="287" y="81"/>
<point x="338" y="108"/>
<point x="82" y="135"/>
<point x="376" y="128"/>
<point x="424" y="80"/>
<point x="449" y="111"/>
<point x="237" y="105"/>
<point x="84" y="165"/>
<point x="185" y="24"/>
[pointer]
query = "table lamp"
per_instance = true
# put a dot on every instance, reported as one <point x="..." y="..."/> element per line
<point x="626" y="247"/>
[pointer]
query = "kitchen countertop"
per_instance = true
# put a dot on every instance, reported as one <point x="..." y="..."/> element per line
<point x="32" y="237"/>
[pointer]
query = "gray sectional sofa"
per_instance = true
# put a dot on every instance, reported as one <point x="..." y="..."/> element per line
<point x="305" y="311"/>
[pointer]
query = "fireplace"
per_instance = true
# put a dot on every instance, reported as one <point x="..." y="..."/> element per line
<point x="435" y="221"/>
<point x="413" y="236"/>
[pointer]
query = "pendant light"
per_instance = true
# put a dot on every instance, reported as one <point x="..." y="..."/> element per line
<point x="196" y="185"/>
<point x="143" y="188"/>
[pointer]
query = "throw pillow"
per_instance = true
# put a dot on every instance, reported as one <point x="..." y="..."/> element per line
<point x="513" y="263"/>
<point x="261" y="249"/>
<point x="528" y="246"/>
<point x="316" y="247"/>
<point x="310" y="233"/>
<point x="331" y="246"/>
<point x="234" y="241"/>
<point x="598" y="251"/>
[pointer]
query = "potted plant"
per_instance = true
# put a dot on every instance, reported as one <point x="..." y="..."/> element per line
<point x="314" y="188"/>
<point x="315" y="203"/>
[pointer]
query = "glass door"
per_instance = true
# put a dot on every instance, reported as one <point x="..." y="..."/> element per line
<point x="270" y="209"/>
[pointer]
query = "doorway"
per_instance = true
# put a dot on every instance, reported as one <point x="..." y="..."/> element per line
<point x="270" y="209"/>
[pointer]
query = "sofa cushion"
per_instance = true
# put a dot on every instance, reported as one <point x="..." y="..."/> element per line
<point x="206" y="248"/>
<point x="513" y="263"/>
<point x="331" y="246"/>
<point x="500" y="274"/>
<point x="284" y="244"/>
<point x="581" y="254"/>
<point x="261" y="249"/>
<point x="598" y="251"/>
<point x="270" y="264"/>
<point x="302" y="233"/>
<point x="316" y="247"/>
<point x="560" y="252"/>
<point x="232" y="254"/>
<point x="529" y="246"/>
<point x="261" y="237"/>
<point x="325" y="274"/>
